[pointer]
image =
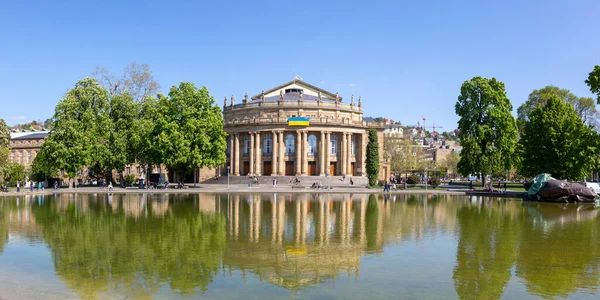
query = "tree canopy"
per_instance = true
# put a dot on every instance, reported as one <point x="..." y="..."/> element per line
<point x="137" y="80"/>
<point x="372" y="163"/>
<point x="488" y="131"/>
<point x="593" y="81"/>
<point x="584" y="106"/>
<point x="189" y="129"/>
<point x="556" y="141"/>
<point x="4" y="149"/>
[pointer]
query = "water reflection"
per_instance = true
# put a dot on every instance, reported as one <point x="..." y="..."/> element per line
<point x="141" y="245"/>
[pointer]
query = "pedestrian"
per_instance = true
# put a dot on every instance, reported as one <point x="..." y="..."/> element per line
<point x="40" y="186"/>
<point x="110" y="186"/>
<point x="31" y="186"/>
<point x="504" y="186"/>
<point x="351" y="182"/>
<point x="470" y="184"/>
<point x="18" y="186"/>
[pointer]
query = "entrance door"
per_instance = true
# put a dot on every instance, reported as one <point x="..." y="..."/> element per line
<point x="267" y="168"/>
<point x="312" y="168"/>
<point x="289" y="168"/>
<point x="246" y="168"/>
<point x="332" y="169"/>
<point x="352" y="169"/>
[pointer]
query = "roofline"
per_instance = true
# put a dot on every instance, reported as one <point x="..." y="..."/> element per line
<point x="257" y="97"/>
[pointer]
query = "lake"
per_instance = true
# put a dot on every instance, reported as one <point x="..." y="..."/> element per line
<point x="266" y="246"/>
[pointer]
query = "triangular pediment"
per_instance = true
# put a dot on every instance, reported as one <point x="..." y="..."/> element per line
<point x="308" y="90"/>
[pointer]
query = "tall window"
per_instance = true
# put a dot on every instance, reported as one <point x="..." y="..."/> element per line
<point x="333" y="145"/>
<point x="268" y="145"/>
<point x="28" y="156"/>
<point x="20" y="157"/>
<point x="247" y="146"/>
<point x="12" y="156"/>
<point x="312" y="145"/>
<point x="289" y="144"/>
<point x="128" y="170"/>
<point x="352" y="146"/>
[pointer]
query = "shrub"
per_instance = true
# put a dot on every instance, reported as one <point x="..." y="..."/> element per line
<point x="434" y="181"/>
<point x="130" y="178"/>
<point x="413" y="179"/>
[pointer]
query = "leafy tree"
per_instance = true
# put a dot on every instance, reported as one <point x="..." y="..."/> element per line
<point x="403" y="154"/>
<point x="584" y="107"/>
<point x="124" y="114"/>
<point x="137" y="80"/>
<point x="4" y="148"/>
<point x="593" y="82"/>
<point x="450" y="162"/>
<point x="189" y="129"/>
<point x="372" y="162"/>
<point x="14" y="172"/>
<point x="488" y="131"/>
<point x="556" y="141"/>
<point x="81" y="130"/>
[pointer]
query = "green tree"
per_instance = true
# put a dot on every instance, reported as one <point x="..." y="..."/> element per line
<point x="488" y="131"/>
<point x="124" y="114"/>
<point x="556" y="141"/>
<point x="81" y="130"/>
<point x="4" y="148"/>
<point x="189" y="129"/>
<point x="372" y="162"/>
<point x="593" y="81"/>
<point x="584" y="107"/>
<point x="450" y="162"/>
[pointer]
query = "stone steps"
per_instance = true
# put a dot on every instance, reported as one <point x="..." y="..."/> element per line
<point x="285" y="180"/>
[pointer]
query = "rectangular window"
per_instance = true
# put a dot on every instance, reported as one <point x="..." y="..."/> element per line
<point x="128" y="170"/>
<point x="12" y="156"/>
<point x="20" y="157"/>
<point x="28" y="157"/>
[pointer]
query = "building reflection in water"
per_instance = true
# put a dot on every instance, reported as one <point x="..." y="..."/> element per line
<point x="133" y="244"/>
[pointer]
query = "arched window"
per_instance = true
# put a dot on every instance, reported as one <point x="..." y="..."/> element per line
<point x="268" y="145"/>
<point x="312" y="145"/>
<point x="352" y="146"/>
<point x="289" y="144"/>
<point x="246" y="146"/>
<point x="333" y="145"/>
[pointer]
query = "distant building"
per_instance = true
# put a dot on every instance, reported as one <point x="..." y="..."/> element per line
<point x="25" y="145"/>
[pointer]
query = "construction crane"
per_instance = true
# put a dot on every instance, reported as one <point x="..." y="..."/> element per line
<point x="433" y="127"/>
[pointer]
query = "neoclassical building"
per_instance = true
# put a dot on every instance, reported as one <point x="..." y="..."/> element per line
<point x="297" y="129"/>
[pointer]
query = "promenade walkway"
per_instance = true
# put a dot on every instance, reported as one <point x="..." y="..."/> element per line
<point x="235" y="188"/>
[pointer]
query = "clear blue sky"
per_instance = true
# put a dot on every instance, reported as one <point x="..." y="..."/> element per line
<point x="405" y="58"/>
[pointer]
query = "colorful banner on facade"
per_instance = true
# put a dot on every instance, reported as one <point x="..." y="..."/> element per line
<point x="298" y="121"/>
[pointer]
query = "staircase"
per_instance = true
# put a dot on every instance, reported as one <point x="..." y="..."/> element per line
<point x="306" y="181"/>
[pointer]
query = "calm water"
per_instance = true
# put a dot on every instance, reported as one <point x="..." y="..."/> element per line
<point x="264" y="246"/>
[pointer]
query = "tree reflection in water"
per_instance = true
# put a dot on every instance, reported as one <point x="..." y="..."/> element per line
<point x="142" y="245"/>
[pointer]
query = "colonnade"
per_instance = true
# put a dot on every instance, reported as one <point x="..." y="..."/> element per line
<point x="323" y="160"/>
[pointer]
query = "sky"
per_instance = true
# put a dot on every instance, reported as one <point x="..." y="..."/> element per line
<point x="406" y="59"/>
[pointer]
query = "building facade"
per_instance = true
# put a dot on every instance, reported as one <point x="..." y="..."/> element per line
<point x="266" y="138"/>
<point x="24" y="146"/>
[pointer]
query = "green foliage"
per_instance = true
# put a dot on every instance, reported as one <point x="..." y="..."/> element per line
<point x="593" y="81"/>
<point x="130" y="178"/>
<point x="434" y="181"/>
<point x="124" y="117"/>
<point x="413" y="179"/>
<point x="488" y="131"/>
<point x="450" y="162"/>
<point x="81" y="130"/>
<point x="372" y="163"/>
<point x="4" y="149"/>
<point x="584" y="107"/>
<point x="189" y="129"/>
<point x="13" y="172"/>
<point x="556" y="141"/>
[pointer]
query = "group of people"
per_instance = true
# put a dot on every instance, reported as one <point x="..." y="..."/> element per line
<point x="20" y="185"/>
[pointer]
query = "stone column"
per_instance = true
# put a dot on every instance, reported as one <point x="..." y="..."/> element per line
<point x="363" y="155"/>
<point x="274" y="154"/>
<point x="251" y="152"/>
<point x="231" y="152"/>
<point x="349" y="165"/>
<point x="298" y="150"/>
<point x="258" y="168"/>
<point x="322" y="154"/>
<point x="281" y="153"/>
<point x="343" y="154"/>
<point x="327" y="152"/>
<point x="236" y="165"/>
<point x="305" y="153"/>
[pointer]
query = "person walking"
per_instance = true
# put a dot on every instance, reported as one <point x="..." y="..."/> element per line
<point x="110" y="186"/>
<point x="470" y="184"/>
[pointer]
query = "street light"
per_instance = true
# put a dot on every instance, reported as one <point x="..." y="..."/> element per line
<point x="426" y="169"/>
<point x="228" y="167"/>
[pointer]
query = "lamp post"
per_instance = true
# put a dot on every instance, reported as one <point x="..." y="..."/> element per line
<point x="228" y="168"/>
<point x="426" y="169"/>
